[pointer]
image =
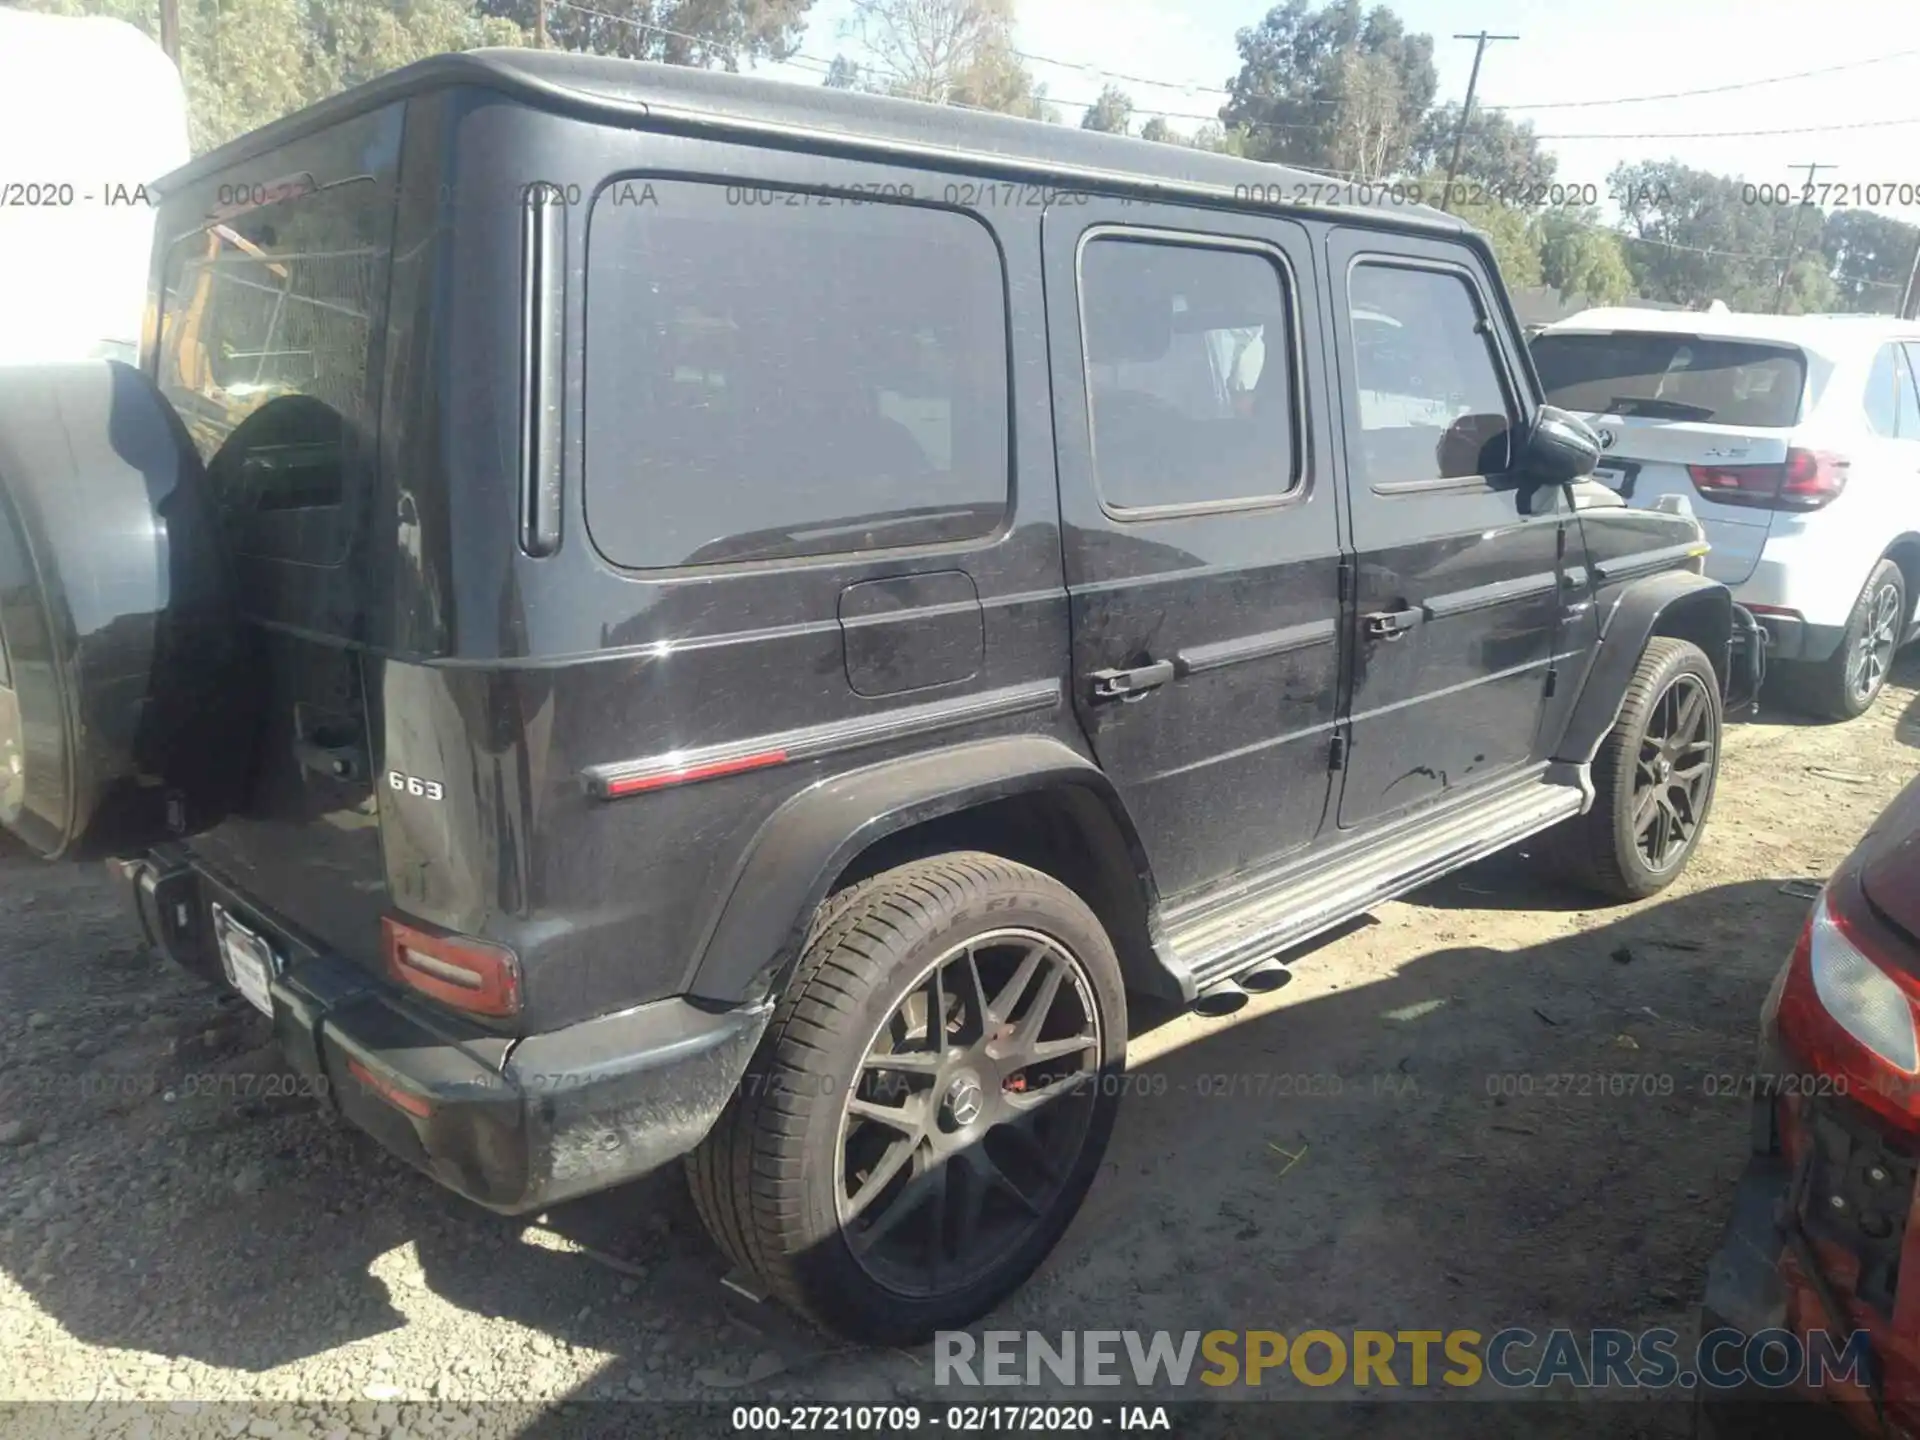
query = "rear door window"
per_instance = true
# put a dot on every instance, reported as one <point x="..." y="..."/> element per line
<point x="773" y="375"/>
<point x="270" y="324"/>
<point x="1673" y="377"/>
<point x="1189" y="374"/>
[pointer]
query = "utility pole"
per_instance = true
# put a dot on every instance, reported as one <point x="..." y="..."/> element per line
<point x="1793" y="233"/>
<point x="170" y="29"/>
<point x="1910" y="297"/>
<point x="540" y="24"/>
<point x="1481" y="41"/>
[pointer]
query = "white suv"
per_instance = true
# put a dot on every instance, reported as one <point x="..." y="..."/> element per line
<point x="1796" y="442"/>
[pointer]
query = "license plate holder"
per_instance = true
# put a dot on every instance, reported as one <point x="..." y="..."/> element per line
<point x="247" y="959"/>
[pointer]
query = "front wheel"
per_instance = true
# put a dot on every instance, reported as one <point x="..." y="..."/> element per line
<point x="1653" y="778"/>
<point x="930" y="1103"/>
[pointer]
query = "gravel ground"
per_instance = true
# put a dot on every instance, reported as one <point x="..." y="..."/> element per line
<point x="189" y="1245"/>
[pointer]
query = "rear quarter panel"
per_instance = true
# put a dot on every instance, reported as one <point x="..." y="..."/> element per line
<point x="551" y="667"/>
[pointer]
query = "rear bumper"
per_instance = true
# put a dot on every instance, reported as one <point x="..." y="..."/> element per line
<point x="1745" y="1289"/>
<point x="512" y="1124"/>
<point x="1794" y="637"/>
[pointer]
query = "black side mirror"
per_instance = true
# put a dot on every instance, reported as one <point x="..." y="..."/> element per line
<point x="1560" y="449"/>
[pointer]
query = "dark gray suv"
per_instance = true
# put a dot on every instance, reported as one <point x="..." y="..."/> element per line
<point x="643" y="613"/>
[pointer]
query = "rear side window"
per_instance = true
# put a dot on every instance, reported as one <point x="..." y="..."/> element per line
<point x="1893" y="407"/>
<point x="269" y="326"/>
<point x="1189" y="374"/>
<point x="1673" y="377"/>
<point x="1431" y="403"/>
<point x="796" y="376"/>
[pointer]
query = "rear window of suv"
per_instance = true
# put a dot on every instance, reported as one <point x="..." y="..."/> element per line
<point x="271" y="320"/>
<point x="772" y="375"/>
<point x="1673" y="377"/>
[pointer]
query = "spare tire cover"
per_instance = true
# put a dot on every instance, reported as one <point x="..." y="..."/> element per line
<point x="124" y="716"/>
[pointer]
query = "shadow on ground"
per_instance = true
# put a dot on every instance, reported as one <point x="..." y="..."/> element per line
<point x="1537" y="1136"/>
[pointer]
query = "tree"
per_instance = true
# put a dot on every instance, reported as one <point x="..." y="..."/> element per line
<point x="680" y="32"/>
<point x="1510" y="229"/>
<point x="1332" y="89"/>
<point x="998" y="81"/>
<point x="844" y="74"/>
<point x="1157" y="128"/>
<point x="1872" y="256"/>
<point x="1707" y="238"/>
<point x="1220" y="140"/>
<point x="1579" y="258"/>
<point x="924" y="49"/>
<point x="1497" y="154"/>
<point x="946" y="52"/>
<point x="1112" y="113"/>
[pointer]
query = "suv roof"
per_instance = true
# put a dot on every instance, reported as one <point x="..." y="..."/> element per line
<point x="1827" y="335"/>
<point x="680" y="98"/>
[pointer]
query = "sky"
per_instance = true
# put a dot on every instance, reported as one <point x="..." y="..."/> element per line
<point x="1596" y="54"/>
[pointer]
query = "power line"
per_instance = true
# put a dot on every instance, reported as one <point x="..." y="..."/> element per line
<point x="1713" y="89"/>
<point x="1188" y="86"/>
<point x="1192" y="87"/>
<point x="1740" y="134"/>
<point x="705" y="42"/>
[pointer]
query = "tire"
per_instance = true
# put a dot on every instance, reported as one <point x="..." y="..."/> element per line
<point x="126" y="689"/>
<point x="778" y="1180"/>
<point x="1602" y="850"/>
<point x="1833" y="689"/>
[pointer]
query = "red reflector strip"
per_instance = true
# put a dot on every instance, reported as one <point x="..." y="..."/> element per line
<point x="636" y="784"/>
<point x="392" y="1094"/>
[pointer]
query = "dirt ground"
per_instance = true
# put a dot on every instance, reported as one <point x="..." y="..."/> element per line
<point x="174" y="1231"/>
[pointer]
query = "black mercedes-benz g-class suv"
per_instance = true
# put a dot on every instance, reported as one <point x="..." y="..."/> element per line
<point x="643" y="613"/>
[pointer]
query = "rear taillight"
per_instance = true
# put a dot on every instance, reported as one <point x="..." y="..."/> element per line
<point x="1805" y="480"/>
<point x="472" y="975"/>
<point x="1850" y="1018"/>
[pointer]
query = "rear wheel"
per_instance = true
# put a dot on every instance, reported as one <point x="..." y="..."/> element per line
<point x="1653" y="778"/>
<point x="1845" y="686"/>
<point x="930" y="1104"/>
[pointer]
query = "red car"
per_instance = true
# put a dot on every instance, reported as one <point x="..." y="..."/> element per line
<point x="1824" y="1235"/>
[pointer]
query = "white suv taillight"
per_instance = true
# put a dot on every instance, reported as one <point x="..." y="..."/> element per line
<point x="1806" y="480"/>
<point x="1859" y="995"/>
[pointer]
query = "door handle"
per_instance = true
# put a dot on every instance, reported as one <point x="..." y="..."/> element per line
<point x="1392" y="624"/>
<point x="1130" y="684"/>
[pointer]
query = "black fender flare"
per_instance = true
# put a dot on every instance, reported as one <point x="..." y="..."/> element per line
<point x="756" y="934"/>
<point x="1678" y="602"/>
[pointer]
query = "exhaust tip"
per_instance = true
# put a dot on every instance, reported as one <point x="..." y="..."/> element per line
<point x="1264" y="978"/>
<point x="1221" y="1001"/>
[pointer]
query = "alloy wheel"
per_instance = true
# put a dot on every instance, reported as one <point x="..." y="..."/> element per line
<point x="968" y="1112"/>
<point x="1673" y="775"/>
<point x="1872" y="653"/>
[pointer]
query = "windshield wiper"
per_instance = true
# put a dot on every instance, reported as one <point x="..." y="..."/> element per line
<point x="1665" y="409"/>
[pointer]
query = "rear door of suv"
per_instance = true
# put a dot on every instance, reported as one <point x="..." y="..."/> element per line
<point x="1705" y="417"/>
<point x="273" y="286"/>
<point x="1200" y="527"/>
